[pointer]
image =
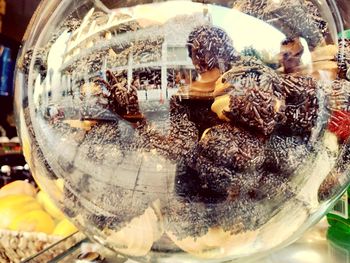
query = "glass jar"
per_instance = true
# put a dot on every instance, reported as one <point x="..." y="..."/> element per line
<point x="187" y="131"/>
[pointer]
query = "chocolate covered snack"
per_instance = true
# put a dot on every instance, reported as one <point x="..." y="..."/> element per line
<point x="301" y="104"/>
<point x="225" y="146"/>
<point x="249" y="95"/>
<point x="210" y="47"/>
<point x="231" y="147"/>
<point x="284" y="154"/>
<point x="112" y="94"/>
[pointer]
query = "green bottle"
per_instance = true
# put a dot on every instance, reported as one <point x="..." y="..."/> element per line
<point x="345" y="34"/>
<point x="338" y="245"/>
<point x="339" y="217"/>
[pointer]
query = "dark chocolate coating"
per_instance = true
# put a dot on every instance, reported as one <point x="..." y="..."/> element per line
<point x="210" y="47"/>
<point x="221" y="166"/>
<point x="261" y="199"/>
<point x="178" y="139"/>
<point x="120" y="99"/>
<point x="232" y="148"/>
<point x="285" y="154"/>
<point x="190" y="187"/>
<point x="301" y="109"/>
<point x="196" y="110"/>
<point x="254" y="91"/>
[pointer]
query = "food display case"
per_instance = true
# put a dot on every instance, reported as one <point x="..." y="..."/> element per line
<point x="209" y="132"/>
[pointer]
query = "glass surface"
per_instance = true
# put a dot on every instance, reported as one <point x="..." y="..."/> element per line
<point x="320" y="244"/>
<point x="196" y="131"/>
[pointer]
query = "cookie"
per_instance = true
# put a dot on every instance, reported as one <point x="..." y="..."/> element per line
<point x="114" y="95"/>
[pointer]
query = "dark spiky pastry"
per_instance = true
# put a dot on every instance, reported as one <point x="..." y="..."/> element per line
<point x="285" y="154"/>
<point x="180" y="136"/>
<point x="197" y="111"/>
<point x="249" y="95"/>
<point x="301" y="104"/>
<point x="210" y="47"/>
<point x="221" y="163"/>
<point x="316" y="17"/>
<point x="114" y="95"/>
<point x="233" y="148"/>
<point x="270" y="185"/>
<point x="260" y="197"/>
<point x="217" y="179"/>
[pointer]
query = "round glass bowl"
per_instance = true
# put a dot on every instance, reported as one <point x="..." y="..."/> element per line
<point x="187" y="131"/>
